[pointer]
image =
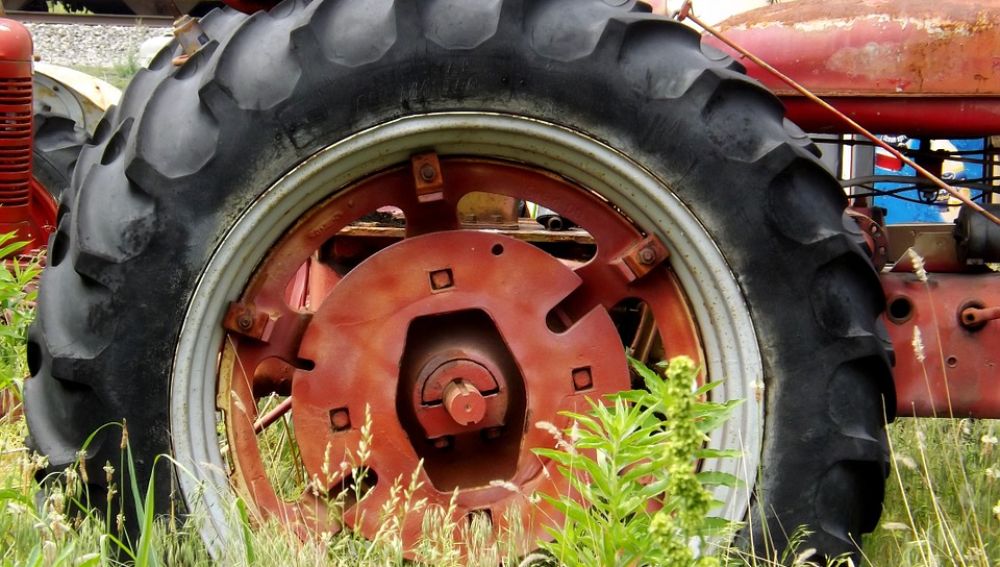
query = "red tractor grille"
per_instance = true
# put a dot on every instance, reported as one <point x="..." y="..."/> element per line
<point x="15" y="141"/>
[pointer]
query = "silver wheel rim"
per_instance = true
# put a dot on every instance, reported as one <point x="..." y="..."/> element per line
<point x="731" y="351"/>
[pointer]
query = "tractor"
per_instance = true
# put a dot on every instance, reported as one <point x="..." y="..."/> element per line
<point x="322" y="218"/>
<point x="50" y="113"/>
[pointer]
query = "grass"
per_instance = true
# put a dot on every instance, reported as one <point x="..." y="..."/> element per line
<point x="118" y="75"/>
<point x="942" y="505"/>
<point x="943" y="500"/>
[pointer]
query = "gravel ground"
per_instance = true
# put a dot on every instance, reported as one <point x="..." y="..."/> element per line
<point x="91" y="46"/>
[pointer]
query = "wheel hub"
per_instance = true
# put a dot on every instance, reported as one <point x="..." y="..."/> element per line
<point x="466" y="390"/>
<point x="440" y="338"/>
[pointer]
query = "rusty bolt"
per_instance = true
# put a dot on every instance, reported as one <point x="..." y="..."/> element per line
<point x="647" y="256"/>
<point x="427" y="172"/>
<point x="340" y="419"/>
<point x="442" y="279"/>
<point x="245" y="321"/>
<point x="492" y="433"/>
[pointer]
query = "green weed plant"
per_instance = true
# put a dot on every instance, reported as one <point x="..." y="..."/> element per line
<point x="633" y="460"/>
<point x="17" y="307"/>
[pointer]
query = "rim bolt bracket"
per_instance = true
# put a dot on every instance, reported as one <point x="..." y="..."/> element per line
<point x="641" y="258"/>
<point x="244" y="319"/>
<point x="427" y="177"/>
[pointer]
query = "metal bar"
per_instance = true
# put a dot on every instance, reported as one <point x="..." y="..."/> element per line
<point x="273" y="415"/>
<point x="91" y="19"/>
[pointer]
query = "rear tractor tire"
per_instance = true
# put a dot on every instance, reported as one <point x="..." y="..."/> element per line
<point x="212" y="271"/>
<point x="57" y="144"/>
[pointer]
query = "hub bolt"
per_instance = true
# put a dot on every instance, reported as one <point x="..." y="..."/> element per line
<point x="464" y="403"/>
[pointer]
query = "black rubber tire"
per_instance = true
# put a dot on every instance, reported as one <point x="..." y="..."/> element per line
<point x="57" y="145"/>
<point x="192" y="147"/>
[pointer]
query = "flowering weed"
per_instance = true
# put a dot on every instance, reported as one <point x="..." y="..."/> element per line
<point x="633" y="460"/>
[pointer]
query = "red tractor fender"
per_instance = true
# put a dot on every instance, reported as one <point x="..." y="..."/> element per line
<point x="917" y="67"/>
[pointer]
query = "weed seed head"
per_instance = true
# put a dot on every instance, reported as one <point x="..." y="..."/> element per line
<point x="49" y="552"/>
<point x="57" y="501"/>
<point x="989" y="441"/>
<point x="58" y="525"/>
<point x="918" y="345"/>
<point x="81" y="460"/>
<point x="906" y="462"/>
<point x="918" y="265"/>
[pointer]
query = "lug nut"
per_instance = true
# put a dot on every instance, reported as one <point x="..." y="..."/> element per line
<point x="427" y="172"/>
<point x="647" y="255"/>
<point x="245" y="322"/>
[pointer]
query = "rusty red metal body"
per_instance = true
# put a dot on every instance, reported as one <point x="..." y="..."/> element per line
<point x="25" y="206"/>
<point x="946" y="365"/>
<point x="918" y="67"/>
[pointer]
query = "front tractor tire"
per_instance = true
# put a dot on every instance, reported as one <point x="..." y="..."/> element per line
<point x="209" y="272"/>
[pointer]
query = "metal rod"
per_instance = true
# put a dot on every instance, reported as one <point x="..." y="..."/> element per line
<point x="273" y="415"/>
<point x="89" y="19"/>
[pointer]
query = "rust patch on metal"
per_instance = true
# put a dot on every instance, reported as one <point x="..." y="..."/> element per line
<point x="919" y="50"/>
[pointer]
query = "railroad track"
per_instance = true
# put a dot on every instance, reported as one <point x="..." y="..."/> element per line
<point x="90" y="19"/>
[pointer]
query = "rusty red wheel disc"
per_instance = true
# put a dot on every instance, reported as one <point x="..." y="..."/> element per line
<point x="450" y="343"/>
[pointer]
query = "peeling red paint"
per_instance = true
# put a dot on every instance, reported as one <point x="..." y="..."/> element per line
<point x="919" y="50"/>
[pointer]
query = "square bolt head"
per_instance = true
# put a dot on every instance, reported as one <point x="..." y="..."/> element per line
<point x="582" y="380"/>
<point x="442" y="280"/>
<point x="340" y="419"/>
